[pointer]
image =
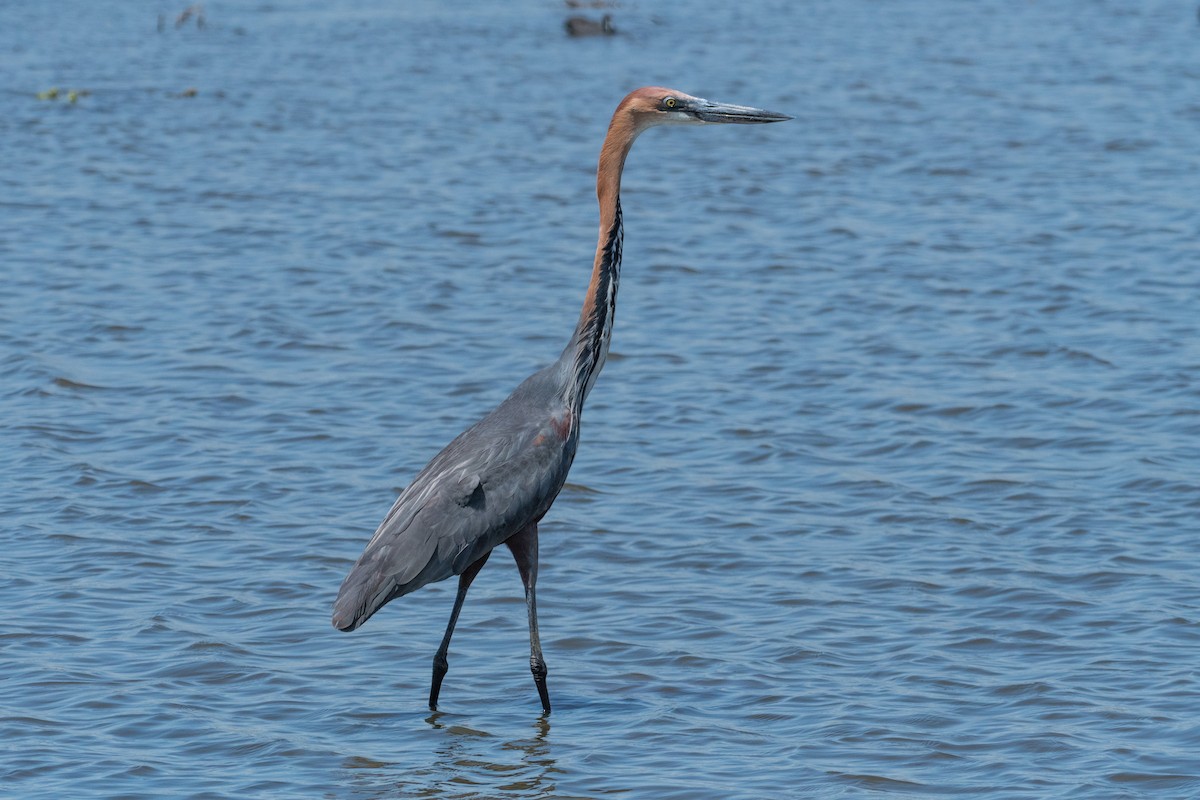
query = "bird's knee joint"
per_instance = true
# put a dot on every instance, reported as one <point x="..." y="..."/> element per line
<point x="441" y="664"/>
<point x="538" y="667"/>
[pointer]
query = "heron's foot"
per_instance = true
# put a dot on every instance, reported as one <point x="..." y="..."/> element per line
<point x="440" y="667"/>
<point x="538" y="667"/>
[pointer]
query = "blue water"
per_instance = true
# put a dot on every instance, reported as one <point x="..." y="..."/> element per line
<point x="890" y="486"/>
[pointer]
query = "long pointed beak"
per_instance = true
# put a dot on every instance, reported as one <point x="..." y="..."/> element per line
<point x="708" y="111"/>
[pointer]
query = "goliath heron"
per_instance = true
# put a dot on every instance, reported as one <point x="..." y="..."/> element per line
<point x="496" y="481"/>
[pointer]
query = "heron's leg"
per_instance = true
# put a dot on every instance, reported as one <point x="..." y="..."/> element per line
<point x="440" y="663"/>
<point x="524" y="547"/>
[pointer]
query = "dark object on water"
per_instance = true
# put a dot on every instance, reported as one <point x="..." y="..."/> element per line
<point x="582" y="26"/>
<point x="495" y="482"/>
<point x="196" y="10"/>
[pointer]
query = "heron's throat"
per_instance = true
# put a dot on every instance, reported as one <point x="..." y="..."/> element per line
<point x="589" y="345"/>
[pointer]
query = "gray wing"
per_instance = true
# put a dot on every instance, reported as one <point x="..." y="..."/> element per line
<point x="491" y="481"/>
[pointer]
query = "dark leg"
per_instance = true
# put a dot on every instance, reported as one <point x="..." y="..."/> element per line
<point x="440" y="663"/>
<point x="524" y="547"/>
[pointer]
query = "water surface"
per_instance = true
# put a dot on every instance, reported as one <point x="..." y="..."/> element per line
<point x="889" y="486"/>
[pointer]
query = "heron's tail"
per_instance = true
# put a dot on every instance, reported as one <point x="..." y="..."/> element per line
<point x="347" y="610"/>
<point x="392" y="565"/>
<point x="363" y="592"/>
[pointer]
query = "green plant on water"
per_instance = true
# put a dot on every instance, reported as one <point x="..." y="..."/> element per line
<point x="71" y="95"/>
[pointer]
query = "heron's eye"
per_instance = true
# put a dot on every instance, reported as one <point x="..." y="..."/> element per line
<point x="670" y="102"/>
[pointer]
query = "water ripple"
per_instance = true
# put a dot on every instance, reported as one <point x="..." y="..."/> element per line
<point x="888" y="487"/>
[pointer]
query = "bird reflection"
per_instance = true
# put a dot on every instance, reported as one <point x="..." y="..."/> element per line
<point x="463" y="756"/>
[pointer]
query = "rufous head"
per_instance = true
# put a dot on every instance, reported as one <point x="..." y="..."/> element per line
<point x="656" y="105"/>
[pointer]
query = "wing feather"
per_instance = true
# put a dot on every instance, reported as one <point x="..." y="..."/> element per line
<point x="487" y="484"/>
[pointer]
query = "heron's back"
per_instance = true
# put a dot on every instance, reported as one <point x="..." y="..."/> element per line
<point x="492" y="480"/>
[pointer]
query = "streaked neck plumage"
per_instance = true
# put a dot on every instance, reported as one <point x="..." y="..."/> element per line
<point x="588" y="347"/>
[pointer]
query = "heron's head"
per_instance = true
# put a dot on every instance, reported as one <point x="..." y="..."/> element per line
<point x="655" y="105"/>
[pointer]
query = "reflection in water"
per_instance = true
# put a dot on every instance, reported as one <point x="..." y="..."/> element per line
<point x="465" y="757"/>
